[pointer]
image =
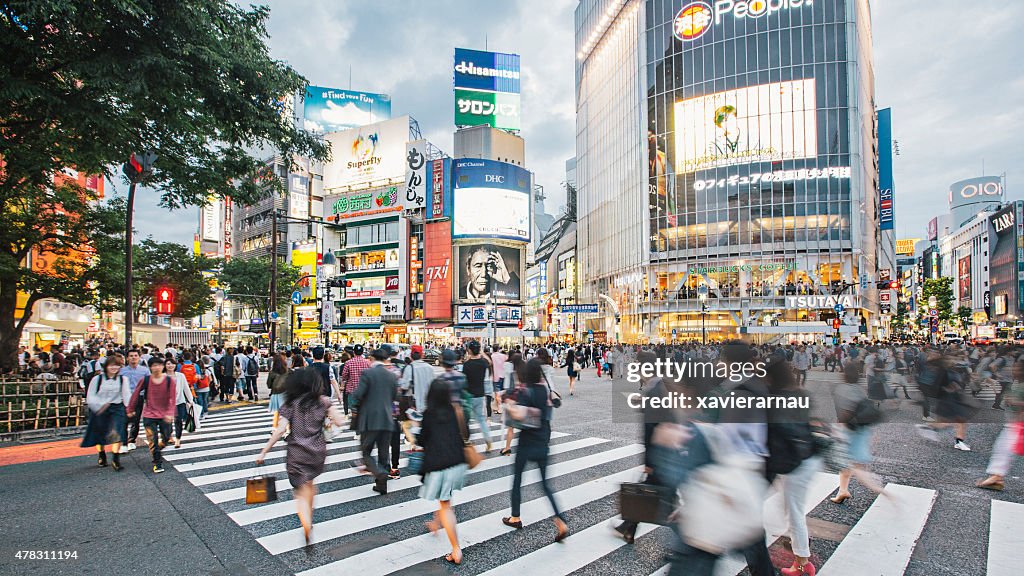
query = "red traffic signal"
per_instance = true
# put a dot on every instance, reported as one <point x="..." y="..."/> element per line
<point x="835" y="323"/>
<point x="520" y="325"/>
<point x="164" y="301"/>
<point x="132" y="168"/>
<point x="894" y="285"/>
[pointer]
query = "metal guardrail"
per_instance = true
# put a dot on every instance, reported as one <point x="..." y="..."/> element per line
<point x="28" y="404"/>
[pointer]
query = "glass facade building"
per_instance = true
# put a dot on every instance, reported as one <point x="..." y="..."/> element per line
<point x="727" y="164"/>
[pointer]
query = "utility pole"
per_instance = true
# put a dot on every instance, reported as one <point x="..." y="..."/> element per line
<point x="273" y="279"/>
<point x="136" y="169"/>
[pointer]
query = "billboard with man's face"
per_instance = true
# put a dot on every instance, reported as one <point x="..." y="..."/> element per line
<point x="489" y="270"/>
<point x="964" y="277"/>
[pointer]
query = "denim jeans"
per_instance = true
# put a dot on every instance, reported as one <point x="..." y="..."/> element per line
<point x="203" y="399"/>
<point x="251" y="389"/>
<point x="523" y="457"/>
<point x="477" y="404"/>
<point x="179" y="419"/>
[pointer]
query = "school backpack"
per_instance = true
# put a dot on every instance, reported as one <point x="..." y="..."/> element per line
<point x="189" y="371"/>
<point x="252" y="367"/>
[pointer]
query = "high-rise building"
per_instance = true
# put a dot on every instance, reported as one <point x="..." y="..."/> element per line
<point x="727" y="168"/>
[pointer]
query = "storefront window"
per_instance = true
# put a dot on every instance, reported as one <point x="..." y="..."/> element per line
<point x="362" y="314"/>
<point x="376" y="260"/>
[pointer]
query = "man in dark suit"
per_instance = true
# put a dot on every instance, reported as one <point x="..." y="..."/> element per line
<point x="373" y="401"/>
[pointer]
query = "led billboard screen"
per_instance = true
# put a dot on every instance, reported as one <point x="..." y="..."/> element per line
<point x="332" y="109"/>
<point x="488" y="71"/>
<point x="368" y="154"/>
<point x="764" y="123"/>
<point x="492" y="200"/>
<point x="489" y="270"/>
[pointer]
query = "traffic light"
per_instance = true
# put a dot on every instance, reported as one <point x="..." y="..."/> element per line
<point x="164" y="301"/>
<point x="132" y="169"/>
<point x="835" y="323"/>
<point x="894" y="285"/>
<point x="520" y="325"/>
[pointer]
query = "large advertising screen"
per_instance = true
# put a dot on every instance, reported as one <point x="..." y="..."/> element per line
<point x="963" y="274"/>
<point x="495" y="109"/>
<point x="368" y="154"/>
<point x="492" y="200"/>
<point x="332" y="109"/>
<point x="764" y="123"/>
<point x="486" y="89"/>
<point x="489" y="270"/>
<point x="1004" y="277"/>
<point x="488" y="71"/>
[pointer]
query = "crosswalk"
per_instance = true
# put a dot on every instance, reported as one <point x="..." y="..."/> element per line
<point x="358" y="531"/>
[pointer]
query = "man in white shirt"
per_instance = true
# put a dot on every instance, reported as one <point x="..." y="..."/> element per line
<point x="498" y="359"/>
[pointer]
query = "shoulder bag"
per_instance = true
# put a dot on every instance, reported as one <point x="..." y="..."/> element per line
<point x="405" y="401"/>
<point x="473" y="458"/>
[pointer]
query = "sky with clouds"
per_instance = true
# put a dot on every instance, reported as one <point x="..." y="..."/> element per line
<point x="953" y="75"/>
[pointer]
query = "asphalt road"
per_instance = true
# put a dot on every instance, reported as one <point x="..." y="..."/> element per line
<point x="136" y="522"/>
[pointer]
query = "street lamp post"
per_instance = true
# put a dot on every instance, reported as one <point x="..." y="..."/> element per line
<point x="218" y="297"/>
<point x="933" y="304"/>
<point x="489" y="310"/>
<point x="327" y="268"/>
<point x="703" y="297"/>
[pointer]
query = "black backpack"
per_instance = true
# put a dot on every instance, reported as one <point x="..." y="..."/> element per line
<point x="252" y="368"/>
<point x="789" y="444"/>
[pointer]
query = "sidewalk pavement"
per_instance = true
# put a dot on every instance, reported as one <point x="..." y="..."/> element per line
<point x="131" y="522"/>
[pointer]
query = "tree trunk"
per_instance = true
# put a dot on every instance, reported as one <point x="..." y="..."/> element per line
<point x="11" y="329"/>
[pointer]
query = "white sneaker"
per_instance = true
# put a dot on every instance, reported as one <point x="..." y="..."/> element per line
<point x="131" y="446"/>
<point x="961" y="445"/>
<point x="928" y="419"/>
<point x="124" y="450"/>
<point x="927" y="432"/>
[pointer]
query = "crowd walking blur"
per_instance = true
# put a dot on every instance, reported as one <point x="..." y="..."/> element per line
<point x="400" y="406"/>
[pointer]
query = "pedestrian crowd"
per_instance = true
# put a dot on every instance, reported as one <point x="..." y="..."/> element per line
<point x="399" y="405"/>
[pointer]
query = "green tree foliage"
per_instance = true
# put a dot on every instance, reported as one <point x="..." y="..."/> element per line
<point x="88" y="82"/>
<point x="901" y="320"/>
<point x="942" y="289"/>
<point x="156" y="265"/>
<point x="964" y="316"/>
<point x="248" y="281"/>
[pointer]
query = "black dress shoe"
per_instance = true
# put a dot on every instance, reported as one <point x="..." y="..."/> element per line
<point x="381" y="487"/>
<point x="102" y="460"/>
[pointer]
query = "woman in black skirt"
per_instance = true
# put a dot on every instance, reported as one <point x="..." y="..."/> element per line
<point x="105" y="397"/>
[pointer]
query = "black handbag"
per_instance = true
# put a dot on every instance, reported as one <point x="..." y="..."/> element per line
<point x="650" y="503"/>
